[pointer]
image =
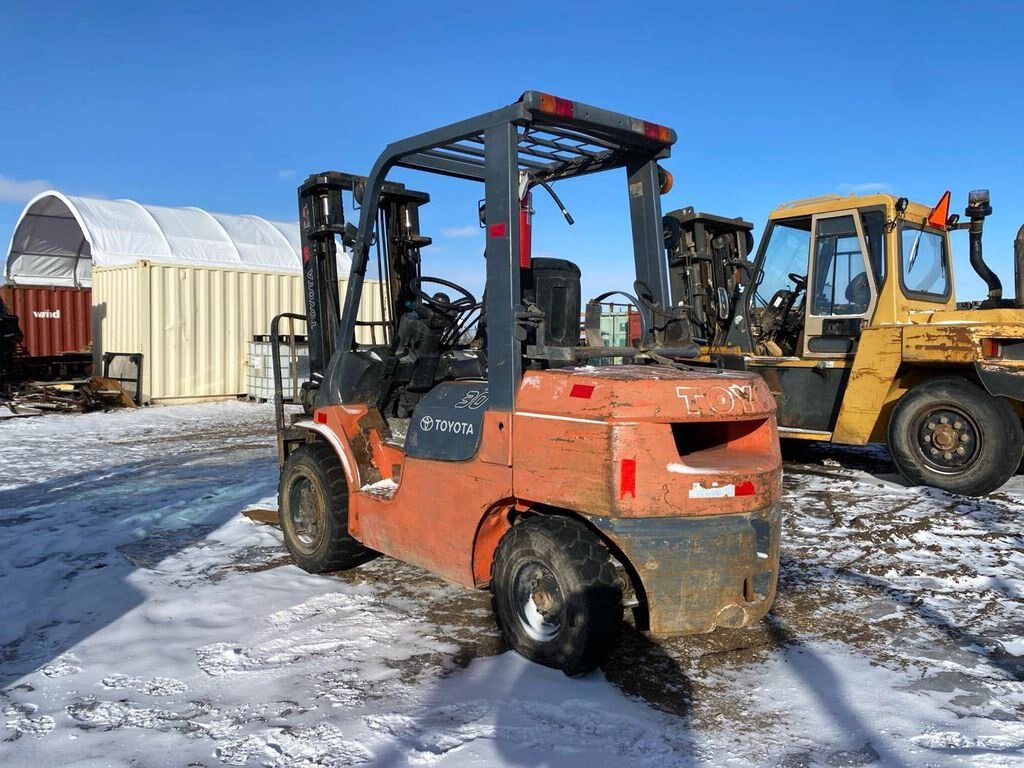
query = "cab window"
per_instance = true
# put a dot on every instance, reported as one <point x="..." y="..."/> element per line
<point x="873" y="225"/>
<point x="785" y="254"/>
<point x="841" y="285"/>
<point x="923" y="265"/>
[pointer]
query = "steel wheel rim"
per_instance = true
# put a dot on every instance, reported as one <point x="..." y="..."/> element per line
<point x="947" y="439"/>
<point x="539" y="602"/>
<point x="306" y="513"/>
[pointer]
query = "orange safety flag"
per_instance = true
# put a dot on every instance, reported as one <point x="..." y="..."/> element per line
<point x="940" y="213"/>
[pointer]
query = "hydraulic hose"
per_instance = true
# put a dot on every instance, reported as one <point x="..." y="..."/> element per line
<point x="1018" y="267"/>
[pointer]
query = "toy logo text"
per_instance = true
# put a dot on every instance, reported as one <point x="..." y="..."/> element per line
<point x="735" y="398"/>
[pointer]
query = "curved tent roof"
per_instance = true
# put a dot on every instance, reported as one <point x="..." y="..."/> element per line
<point x="59" y="237"/>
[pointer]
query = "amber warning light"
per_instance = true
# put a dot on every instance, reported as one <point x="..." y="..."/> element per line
<point x="991" y="348"/>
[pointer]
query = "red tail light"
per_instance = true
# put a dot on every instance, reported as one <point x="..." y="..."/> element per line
<point x="652" y="130"/>
<point x="556" y="106"/>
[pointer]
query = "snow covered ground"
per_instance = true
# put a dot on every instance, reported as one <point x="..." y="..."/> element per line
<point x="145" y="622"/>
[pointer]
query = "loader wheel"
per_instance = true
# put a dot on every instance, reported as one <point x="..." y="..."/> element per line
<point x="556" y="595"/>
<point x="951" y="434"/>
<point x="314" y="511"/>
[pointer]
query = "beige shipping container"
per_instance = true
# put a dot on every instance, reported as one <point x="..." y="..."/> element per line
<point x="193" y="324"/>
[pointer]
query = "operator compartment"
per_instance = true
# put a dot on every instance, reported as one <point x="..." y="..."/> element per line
<point x="679" y="442"/>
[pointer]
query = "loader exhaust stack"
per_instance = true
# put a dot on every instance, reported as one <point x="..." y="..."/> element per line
<point x="978" y="208"/>
<point x="1018" y="267"/>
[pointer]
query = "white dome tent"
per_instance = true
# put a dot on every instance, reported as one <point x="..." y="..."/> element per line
<point x="185" y="288"/>
<point x="59" y="238"/>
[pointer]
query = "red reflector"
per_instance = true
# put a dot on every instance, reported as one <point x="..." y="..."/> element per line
<point x="320" y="417"/>
<point x="583" y="391"/>
<point x="305" y="254"/>
<point x="627" y="483"/>
<point x="497" y="230"/>
<point x="746" y="488"/>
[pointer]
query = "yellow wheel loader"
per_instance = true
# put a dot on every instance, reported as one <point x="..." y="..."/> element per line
<point x="848" y="311"/>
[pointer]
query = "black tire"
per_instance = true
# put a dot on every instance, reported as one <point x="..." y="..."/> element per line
<point x="313" y="497"/>
<point x="951" y="434"/>
<point x="556" y="595"/>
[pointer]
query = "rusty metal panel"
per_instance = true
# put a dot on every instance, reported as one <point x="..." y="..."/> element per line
<point x="941" y="344"/>
<point x="701" y="573"/>
<point x="53" y="320"/>
<point x="193" y="324"/>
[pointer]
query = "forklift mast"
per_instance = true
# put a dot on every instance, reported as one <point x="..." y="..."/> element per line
<point x="709" y="269"/>
<point x="321" y="220"/>
<point x="321" y="224"/>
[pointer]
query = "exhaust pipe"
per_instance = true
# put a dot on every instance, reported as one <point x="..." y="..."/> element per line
<point x="978" y="208"/>
<point x="1018" y="267"/>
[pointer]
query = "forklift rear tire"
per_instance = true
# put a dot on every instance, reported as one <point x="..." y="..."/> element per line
<point x="557" y="597"/>
<point x="951" y="434"/>
<point x="313" y="497"/>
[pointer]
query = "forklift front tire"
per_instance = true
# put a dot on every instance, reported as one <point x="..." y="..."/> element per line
<point x="556" y="595"/>
<point x="313" y="497"/>
<point x="950" y="434"/>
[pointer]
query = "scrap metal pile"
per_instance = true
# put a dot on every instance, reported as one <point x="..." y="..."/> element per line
<point x="96" y="394"/>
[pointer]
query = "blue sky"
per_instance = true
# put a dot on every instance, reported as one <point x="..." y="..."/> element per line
<point x="228" y="106"/>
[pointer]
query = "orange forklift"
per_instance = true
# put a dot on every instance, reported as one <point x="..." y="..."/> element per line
<point x="480" y="439"/>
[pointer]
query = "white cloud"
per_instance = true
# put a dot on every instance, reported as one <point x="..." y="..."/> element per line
<point x="285" y="175"/>
<point x="467" y="231"/>
<point x="864" y="188"/>
<point x="14" y="191"/>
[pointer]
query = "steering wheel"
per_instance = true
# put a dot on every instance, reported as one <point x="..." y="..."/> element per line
<point x="800" y="281"/>
<point x="464" y="303"/>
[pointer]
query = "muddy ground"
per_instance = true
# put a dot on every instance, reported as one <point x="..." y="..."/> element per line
<point x="903" y="576"/>
<point x="138" y="600"/>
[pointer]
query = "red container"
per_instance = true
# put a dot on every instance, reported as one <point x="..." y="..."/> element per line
<point x="53" y="320"/>
<point x="634" y="329"/>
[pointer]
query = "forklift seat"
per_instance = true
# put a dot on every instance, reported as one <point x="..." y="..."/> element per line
<point x="556" y="285"/>
<point x="461" y="364"/>
<point x="858" y="292"/>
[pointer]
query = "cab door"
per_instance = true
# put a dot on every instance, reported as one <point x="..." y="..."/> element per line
<point x="841" y="289"/>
